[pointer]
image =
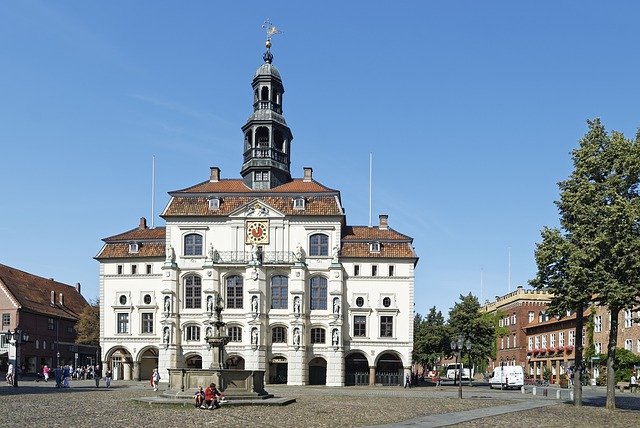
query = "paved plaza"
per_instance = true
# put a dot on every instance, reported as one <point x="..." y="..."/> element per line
<point x="42" y="405"/>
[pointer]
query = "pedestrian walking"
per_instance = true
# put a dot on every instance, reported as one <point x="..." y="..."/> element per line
<point x="633" y="383"/>
<point x="10" y="374"/>
<point x="96" y="375"/>
<point x="107" y="377"/>
<point x="66" y="377"/>
<point x="45" y="373"/>
<point x="407" y="381"/>
<point x="155" y="378"/>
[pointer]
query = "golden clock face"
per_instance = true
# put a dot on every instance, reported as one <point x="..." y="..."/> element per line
<point x="257" y="232"/>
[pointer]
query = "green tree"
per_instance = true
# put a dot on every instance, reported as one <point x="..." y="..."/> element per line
<point x="431" y="338"/>
<point x="596" y="257"/>
<point x="465" y="319"/>
<point x="88" y="325"/>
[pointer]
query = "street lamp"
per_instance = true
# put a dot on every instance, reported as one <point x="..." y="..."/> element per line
<point x="15" y="340"/>
<point x="457" y="346"/>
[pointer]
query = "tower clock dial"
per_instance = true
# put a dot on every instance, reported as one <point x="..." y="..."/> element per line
<point x="257" y="232"/>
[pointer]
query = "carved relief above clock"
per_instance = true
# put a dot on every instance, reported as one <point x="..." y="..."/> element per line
<point x="257" y="232"/>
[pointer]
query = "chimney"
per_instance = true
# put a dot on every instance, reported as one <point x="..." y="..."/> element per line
<point x="215" y="174"/>
<point x="308" y="173"/>
<point x="61" y="300"/>
<point x="53" y="297"/>
<point x="384" y="221"/>
<point x="143" y="223"/>
<point x="78" y="287"/>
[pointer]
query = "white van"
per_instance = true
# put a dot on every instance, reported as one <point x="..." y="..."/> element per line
<point x="453" y="371"/>
<point x="507" y="377"/>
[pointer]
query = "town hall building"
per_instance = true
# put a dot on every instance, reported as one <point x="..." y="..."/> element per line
<point x="306" y="297"/>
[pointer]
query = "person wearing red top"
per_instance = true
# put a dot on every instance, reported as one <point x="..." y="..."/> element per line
<point x="211" y="395"/>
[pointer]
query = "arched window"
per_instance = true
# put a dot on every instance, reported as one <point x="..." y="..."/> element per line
<point x="318" y="335"/>
<point x="319" y="245"/>
<point x="264" y="93"/>
<point x="279" y="335"/>
<point x="192" y="292"/>
<point x="262" y="137"/>
<point x="279" y="292"/>
<point x="235" y="334"/>
<point x="318" y="293"/>
<point x="234" y="292"/>
<point x="278" y="140"/>
<point x="193" y="245"/>
<point x="192" y="333"/>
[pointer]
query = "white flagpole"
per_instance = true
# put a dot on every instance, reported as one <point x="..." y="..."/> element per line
<point x="153" y="191"/>
<point x="370" y="175"/>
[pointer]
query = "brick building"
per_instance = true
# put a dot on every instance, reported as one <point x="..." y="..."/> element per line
<point x="46" y="311"/>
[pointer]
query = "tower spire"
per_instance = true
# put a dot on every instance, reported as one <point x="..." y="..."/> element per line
<point x="267" y="138"/>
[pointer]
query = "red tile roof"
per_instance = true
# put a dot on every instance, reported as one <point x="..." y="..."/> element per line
<point x="138" y="234"/>
<point x="369" y="234"/>
<point x="297" y="185"/>
<point x="120" y="250"/>
<point x="199" y="206"/>
<point x="33" y="293"/>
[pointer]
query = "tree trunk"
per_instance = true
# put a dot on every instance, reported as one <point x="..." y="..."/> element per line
<point x="611" y="356"/>
<point x="577" y="372"/>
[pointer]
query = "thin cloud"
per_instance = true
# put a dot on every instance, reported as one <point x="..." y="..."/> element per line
<point x="182" y="109"/>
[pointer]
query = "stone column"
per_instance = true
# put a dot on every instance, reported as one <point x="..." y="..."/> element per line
<point x="136" y="370"/>
<point x="372" y="375"/>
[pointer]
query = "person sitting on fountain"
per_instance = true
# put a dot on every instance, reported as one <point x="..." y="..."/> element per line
<point x="199" y="398"/>
<point x="211" y="395"/>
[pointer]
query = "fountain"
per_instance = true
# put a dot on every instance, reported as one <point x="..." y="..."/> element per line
<point x="235" y="384"/>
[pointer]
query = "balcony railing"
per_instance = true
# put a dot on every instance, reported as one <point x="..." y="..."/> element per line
<point x="265" y="257"/>
<point x="265" y="153"/>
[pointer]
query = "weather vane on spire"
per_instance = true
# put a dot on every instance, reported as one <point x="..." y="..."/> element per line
<point x="272" y="30"/>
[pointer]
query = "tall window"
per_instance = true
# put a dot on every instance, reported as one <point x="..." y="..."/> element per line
<point x="147" y="322"/>
<point x="279" y="292"/>
<point x="597" y="323"/>
<point x="193" y="245"/>
<point x="598" y="347"/>
<point x="192" y="333"/>
<point x="6" y="320"/>
<point x="318" y="293"/>
<point x="537" y="342"/>
<point x="572" y="337"/>
<point x="386" y="326"/>
<point x="530" y="346"/>
<point x="319" y="245"/>
<point x="552" y="340"/>
<point x="123" y="323"/>
<point x="50" y="324"/>
<point x="234" y="292"/>
<point x="561" y="338"/>
<point x="544" y="340"/>
<point x="318" y="335"/>
<point x="235" y="334"/>
<point x="628" y="345"/>
<point x="278" y="335"/>
<point x="192" y="292"/>
<point x="531" y="316"/>
<point x="359" y="326"/>
<point x="628" y="318"/>
<point x="513" y="318"/>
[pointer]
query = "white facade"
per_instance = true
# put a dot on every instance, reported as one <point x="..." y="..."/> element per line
<point x="306" y="298"/>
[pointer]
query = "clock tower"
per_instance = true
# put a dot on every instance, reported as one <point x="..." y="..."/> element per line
<point x="267" y="138"/>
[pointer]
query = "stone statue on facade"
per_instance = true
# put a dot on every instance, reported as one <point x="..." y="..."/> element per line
<point x="254" y="337"/>
<point x="167" y="304"/>
<point x="296" y="337"/>
<point x="336" y="306"/>
<point x="210" y="304"/>
<point x="166" y="337"/>
<point x="335" y="252"/>
<point x="171" y="254"/>
<point x="299" y="253"/>
<point x="335" y="339"/>
<point x="254" y="305"/>
<point x="296" y="305"/>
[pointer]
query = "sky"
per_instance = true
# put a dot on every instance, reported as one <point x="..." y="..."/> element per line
<point x="470" y="110"/>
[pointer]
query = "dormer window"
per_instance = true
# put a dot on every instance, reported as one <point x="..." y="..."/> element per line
<point x="374" y="247"/>
<point x="214" y="203"/>
<point x="134" y="247"/>
<point x="299" y="203"/>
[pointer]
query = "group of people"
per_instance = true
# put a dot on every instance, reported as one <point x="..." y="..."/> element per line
<point x="209" y="398"/>
<point x="64" y="374"/>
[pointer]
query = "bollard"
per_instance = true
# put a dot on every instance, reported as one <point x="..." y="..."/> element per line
<point x="534" y="391"/>
<point x="571" y="395"/>
<point x="558" y="391"/>
<point x="522" y="389"/>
